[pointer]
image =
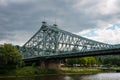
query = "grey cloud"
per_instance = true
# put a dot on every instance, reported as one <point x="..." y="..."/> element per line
<point x="26" y="16"/>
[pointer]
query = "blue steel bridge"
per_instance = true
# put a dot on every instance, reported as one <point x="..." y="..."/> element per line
<point x="50" y="42"/>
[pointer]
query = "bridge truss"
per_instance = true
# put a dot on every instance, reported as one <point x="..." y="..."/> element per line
<point x="50" y="41"/>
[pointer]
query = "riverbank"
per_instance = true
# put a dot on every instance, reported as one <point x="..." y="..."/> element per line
<point x="28" y="71"/>
<point x="89" y="70"/>
<point x="34" y="71"/>
<point x="81" y="70"/>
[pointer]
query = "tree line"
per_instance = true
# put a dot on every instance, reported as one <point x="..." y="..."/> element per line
<point x="95" y="61"/>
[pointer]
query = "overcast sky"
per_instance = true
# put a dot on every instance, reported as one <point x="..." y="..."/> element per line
<point x="95" y="19"/>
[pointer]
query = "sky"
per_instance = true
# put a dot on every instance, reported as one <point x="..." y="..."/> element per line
<point x="94" y="19"/>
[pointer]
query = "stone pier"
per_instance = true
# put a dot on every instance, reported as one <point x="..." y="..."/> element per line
<point x="50" y="64"/>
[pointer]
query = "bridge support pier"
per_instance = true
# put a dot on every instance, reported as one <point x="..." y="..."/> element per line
<point x="50" y="64"/>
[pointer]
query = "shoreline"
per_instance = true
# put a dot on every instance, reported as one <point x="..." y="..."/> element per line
<point x="62" y="71"/>
<point x="52" y="75"/>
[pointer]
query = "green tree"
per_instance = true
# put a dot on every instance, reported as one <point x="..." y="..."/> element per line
<point x="111" y="60"/>
<point x="72" y="61"/>
<point x="86" y="61"/>
<point x="10" y="57"/>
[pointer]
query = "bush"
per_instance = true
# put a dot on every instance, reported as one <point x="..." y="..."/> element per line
<point x="30" y="70"/>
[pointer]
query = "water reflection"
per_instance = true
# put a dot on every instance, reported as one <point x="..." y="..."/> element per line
<point x="102" y="76"/>
<point x="68" y="78"/>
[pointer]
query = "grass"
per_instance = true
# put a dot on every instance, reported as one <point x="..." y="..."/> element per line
<point x="80" y="70"/>
<point x="29" y="71"/>
<point x="32" y="71"/>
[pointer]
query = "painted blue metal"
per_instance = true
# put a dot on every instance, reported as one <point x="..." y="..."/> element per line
<point x="50" y="41"/>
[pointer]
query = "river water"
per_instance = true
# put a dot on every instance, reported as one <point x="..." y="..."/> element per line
<point x="100" y="76"/>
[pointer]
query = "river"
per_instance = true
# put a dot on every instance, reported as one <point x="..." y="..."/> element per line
<point x="99" y="76"/>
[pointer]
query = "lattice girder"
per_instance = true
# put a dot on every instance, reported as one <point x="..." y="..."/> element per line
<point x="50" y="40"/>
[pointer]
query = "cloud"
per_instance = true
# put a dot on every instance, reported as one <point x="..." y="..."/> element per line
<point x="99" y="12"/>
<point x="17" y="37"/>
<point x="7" y="2"/>
<point x="103" y="7"/>
<point x="109" y="34"/>
<point x="25" y="16"/>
